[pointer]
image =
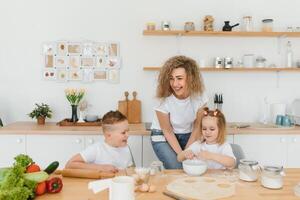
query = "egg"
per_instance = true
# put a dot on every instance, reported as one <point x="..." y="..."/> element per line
<point x="152" y="188"/>
<point x="144" y="187"/>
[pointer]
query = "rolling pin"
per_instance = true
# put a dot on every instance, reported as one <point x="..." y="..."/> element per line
<point x="84" y="173"/>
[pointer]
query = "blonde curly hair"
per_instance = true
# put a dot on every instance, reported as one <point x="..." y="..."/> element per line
<point x="194" y="79"/>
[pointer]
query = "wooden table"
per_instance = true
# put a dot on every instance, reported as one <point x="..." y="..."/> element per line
<point x="76" y="189"/>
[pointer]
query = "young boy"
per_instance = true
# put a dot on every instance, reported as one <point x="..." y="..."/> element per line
<point x="108" y="155"/>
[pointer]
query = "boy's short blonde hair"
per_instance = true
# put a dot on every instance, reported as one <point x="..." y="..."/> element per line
<point x="111" y="118"/>
<point x="221" y="122"/>
<point x="194" y="79"/>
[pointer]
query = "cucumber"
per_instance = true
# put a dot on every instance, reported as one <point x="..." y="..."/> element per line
<point x="36" y="176"/>
<point x="52" y="167"/>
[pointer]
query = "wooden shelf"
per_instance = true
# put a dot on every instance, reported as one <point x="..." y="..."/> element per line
<point x="235" y="69"/>
<point x="220" y="33"/>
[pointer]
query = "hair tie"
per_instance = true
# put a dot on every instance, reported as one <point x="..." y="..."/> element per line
<point x="205" y="113"/>
<point x="215" y="113"/>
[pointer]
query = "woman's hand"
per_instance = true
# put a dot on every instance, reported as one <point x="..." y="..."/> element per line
<point x="188" y="154"/>
<point x="109" y="168"/>
<point x="204" y="155"/>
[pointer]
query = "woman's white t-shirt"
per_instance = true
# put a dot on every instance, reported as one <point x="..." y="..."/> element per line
<point x="103" y="153"/>
<point x="224" y="149"/>
<point x="182" y="112"/>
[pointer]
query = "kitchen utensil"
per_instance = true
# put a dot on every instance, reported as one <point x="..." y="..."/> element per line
<point x="123" y="105"/>
<point x="134" y="110"/>
<point x="194" y="167"/>
<point x="84" y="173"/>
<point x="260" y="61"/>
<point x="91" y="118"/>
<point x="219" y="62"/>
<point x="228" y="27"/>
<point x="165" y="25"/>
<point x="172" y="195"/>
<point x="247" y="23"/>
<point x="228" y="62"/>
<point x="218" y="101"/>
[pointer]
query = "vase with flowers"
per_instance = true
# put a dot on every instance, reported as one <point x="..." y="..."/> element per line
<point x="74" y="96"/>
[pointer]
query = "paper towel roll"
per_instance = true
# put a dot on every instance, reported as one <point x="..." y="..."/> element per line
<point x="277" y="109"/>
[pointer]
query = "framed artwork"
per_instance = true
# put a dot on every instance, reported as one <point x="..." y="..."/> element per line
<point x="88" y="49"/>
<point x="61" y="75"/>
<point x="75" y="75"/>
<point x="113" y="62"/>
<point x="49" y="74"/>
<point x="101" y="49"/>
<point x="74" y="48"/>
<point x="113" y="75"/>
<point x="74" y="62"/>
<point x="61" y="61"/>
<point x="61" y="48"/>
<point x="87" y="61"/>
<point x="88" y="75"/>
<point x="100" y="61"/>
<point x="113" y="49"/>
<point x="49" y="48"/>
<point x="49" y="61"/>
<point x="100" y="75"/>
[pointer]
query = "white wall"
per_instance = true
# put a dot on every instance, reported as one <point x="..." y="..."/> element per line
<point x="25" y="25"/>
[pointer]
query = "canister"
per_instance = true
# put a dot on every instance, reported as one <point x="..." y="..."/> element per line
<point x="248" y="60"/>
<point x="248" y="170"/>
<point x="219" y="62"/>
<point x="272" y="177"/>
<point x="228" y="62"/>
<point x="165" y="26"/>
<point x="267" y="25"/>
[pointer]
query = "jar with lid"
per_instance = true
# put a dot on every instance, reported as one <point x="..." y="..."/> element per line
<point x="272" y="177"/>
<point x="260" y="62"/>
<point x="267" y="25"/>
<point x="247" y="23"/>
<point x="248" y="170"/>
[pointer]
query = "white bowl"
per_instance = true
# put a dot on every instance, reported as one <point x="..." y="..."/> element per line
<point x="91" y="118"/>
<point x="194" y="167"/>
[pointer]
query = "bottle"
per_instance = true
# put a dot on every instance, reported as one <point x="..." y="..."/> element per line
<point x="289" y="54"/>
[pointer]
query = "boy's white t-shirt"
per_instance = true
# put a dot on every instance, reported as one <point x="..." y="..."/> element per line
<point x="103" y="153"/>
<point x="183" y="112"/>
<point x="224" y="149"/>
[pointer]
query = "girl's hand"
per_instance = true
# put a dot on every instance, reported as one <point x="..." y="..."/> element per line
<point x="109" y="168"/>
<point x="204" y="155"/>
<point x="188" y="154"/>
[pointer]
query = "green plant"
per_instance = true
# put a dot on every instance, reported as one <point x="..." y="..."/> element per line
<point x="74" y="96"/>
<point x="42" y="110"/>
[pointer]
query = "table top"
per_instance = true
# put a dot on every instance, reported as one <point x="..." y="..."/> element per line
<point x="77" y="189"/>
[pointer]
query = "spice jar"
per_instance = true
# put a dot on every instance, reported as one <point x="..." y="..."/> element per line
<point x="165" y="26"/>
<point x="247" y="23"/>
<point x="267" y="25"/>
<point x="271" y="177"/>
<point x="189" y="26"/>
<point x="248" y="170"/>
<point x="151" y="26"/>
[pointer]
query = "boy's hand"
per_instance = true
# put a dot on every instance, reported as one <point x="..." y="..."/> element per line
<point x="204" y="155"/>
<point x="109" y="168"/>
<point x="188" y="154"/>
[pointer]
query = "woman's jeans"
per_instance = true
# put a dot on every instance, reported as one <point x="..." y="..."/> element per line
<point x="164" y="151"/>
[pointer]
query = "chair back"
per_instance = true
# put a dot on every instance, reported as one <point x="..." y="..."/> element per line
<point x="238" y="153"/>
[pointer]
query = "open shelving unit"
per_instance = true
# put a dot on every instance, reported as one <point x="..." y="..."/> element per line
<point x="236" y="69"/>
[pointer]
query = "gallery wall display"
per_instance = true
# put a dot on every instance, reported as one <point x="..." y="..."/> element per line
<point x="81" y="61"/>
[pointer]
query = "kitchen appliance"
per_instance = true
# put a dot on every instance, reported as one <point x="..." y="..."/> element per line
<point x="295" y="108"/>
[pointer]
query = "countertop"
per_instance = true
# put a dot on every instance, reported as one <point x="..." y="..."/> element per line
<point x="77" y="189"/>
<point x="51" y="128"/>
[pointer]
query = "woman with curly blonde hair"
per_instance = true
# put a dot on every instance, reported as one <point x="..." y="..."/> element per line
<point x="181" y="91"/>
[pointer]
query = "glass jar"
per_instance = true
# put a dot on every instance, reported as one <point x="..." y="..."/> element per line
<point x="248" y="170"/>
<point x="267" y="25"/>
<point x="260" y="62"/>
<point x="272" y="177"/>
<point x="247" y="23"/>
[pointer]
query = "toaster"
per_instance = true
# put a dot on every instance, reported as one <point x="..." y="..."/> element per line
<point x="295" y="108"/>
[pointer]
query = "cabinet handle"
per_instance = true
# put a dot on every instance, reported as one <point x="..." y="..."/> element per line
<point x="19" y="140"/>
<point x="78" y="141"/>
<point x="282" y="139"/>
<point x="91" y="141"/>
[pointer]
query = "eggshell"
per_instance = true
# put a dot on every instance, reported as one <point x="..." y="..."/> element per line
<point x="152" y="188"/>
<point x="144" y="187"/>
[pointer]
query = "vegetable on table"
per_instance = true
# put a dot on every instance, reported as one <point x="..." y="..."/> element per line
<point x="52" y="167"/>
<point x="36" y="176"/>
<point x="54" y="185"/>
<point x="40" y="188"/>
<point x="33" y="168"/>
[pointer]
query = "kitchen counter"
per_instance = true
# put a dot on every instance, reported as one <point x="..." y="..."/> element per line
<point x="76" y="189"/>
<point x="51" y="128"/>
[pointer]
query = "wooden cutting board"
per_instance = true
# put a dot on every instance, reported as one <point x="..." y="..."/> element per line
<point x="123" y="105"/>
<point x="134" y="110"/>
<point x="197" y="188"/>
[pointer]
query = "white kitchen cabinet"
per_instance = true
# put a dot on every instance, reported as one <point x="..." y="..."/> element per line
<point x="230" y="139"/>
<point x="45" y="149"/>
<point x="148" y="152"/>
<point x="135" y="143"/>
<point x="11" y="146"/>
<point x="266" y="149"/>
<point x="293" y="158"/>
<point x="92" y="139"/>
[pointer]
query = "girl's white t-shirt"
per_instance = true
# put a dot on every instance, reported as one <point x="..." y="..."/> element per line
<point x="182" y="112"/>
<point x="103" y="153"/>
<point x="224" y="149"/>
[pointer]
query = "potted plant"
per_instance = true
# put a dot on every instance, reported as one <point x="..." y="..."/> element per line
<point x="41" y="112"/>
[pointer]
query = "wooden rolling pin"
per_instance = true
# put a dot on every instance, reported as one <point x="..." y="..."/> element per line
<point x="84" y="173"/>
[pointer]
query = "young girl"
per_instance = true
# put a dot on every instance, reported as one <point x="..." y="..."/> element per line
<point x="212" y="147"/>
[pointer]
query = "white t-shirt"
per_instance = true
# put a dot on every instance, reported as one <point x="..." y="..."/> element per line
<point x="182" y="112"/>
<point x="103" y="153"/>
<point x="224" y="149"/>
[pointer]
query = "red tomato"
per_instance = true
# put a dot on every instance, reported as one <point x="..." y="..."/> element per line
<point x="40" y="188"/>
<point x="33" y="168"/>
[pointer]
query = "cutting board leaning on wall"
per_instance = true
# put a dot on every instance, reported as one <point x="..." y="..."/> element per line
<point x="131" y="108"/>
<point x="123" y="105"/>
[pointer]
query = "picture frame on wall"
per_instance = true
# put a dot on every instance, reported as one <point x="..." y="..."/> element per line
<point x="49" y="48"/>
<point x="75" y="75"/>
<point x="61" y="48"/>
<point x="49" y="74"/>
<point x="101" y="61"/>
<point x="49" y="61"/>
<point x="88" y="49"/>
<point x="100" y="75"/>
<point x="87" y="61"/>
<point x="74" y="48"/>
<point x="113" y="75"/>
<point x="113" y="49"/>
<point x="61" y="75"/>
<point x="113" y="62"/>
<point x="101" y="49"/>
<point x="74" y="62"/>
<point x="87" y="75"/>
<point x="61" y="61"/>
